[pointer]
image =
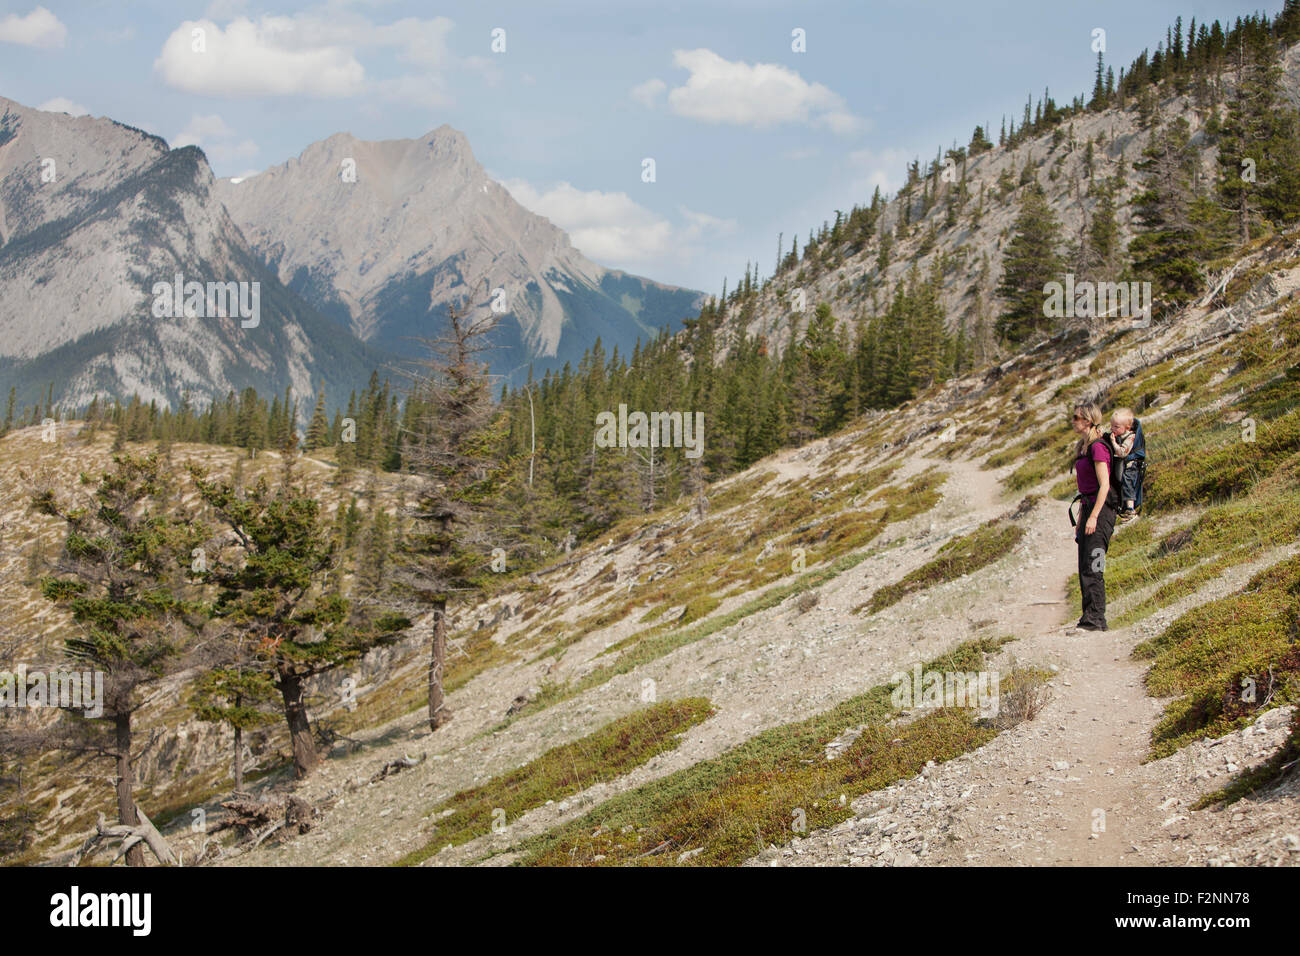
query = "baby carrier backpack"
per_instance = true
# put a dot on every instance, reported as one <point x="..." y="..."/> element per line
<point x="1137" y="463"/>
<point x="1112" y="493"/>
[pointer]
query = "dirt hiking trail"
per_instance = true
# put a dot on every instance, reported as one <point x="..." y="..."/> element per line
<point x="1069" y="787"/>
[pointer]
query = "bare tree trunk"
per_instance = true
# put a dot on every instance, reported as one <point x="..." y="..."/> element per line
<point x="239" y="757"/>
<point x="305" y="757"/>
<point x="125" y="784"/>
<point x="437" y="657"/>
<point x="132" y="838"/>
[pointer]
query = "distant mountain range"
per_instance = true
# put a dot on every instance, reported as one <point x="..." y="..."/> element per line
<point x="355" y="249"/>
<point x="382" y="235"/>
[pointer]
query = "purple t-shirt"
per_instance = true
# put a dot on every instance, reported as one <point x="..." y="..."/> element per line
<point x="1085" y="472"/>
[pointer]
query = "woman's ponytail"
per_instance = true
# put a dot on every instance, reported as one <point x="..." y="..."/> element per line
<point x="1092" y="413"/>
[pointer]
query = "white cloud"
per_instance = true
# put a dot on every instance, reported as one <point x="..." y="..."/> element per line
<point x="315" y="53"/>
<point x="612" y="228"/>
<point x="420" y="42"/>
<point x="61" y="104"/>
<point x="607" y="227"/>
<point x="700" y="225"/>
<point x="270" y="57"/>
<point x="761" y="95"/>
<point x="40" y="28"/>
<point x="886" y="168"/>
<point x="648" y="92"/>
<point x="485" y="66"/>
<point x="216" y="138"/>
<point x="211" y="126"/>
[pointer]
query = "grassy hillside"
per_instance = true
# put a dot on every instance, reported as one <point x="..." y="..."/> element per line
<point x="844" y="548"/>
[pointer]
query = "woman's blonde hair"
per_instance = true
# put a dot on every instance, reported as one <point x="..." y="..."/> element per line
<point x="1095" y="419"/>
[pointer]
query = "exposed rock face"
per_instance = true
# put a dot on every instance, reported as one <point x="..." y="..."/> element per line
<point x="382" y="235"/>
<point x="968" y="251"/>
<point x="93" y="215"/>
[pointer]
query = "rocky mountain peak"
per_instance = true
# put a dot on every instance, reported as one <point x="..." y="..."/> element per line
<point x="384" y="234"/>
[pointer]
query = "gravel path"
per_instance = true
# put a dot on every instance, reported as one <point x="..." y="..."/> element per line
<point x="1070" y="787"/>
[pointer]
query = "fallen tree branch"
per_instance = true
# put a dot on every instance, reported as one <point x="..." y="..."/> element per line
<point x="143" y="832"/>
<point x="397" y="766"/>
<point x="274" y="827"/>
<point x="261" y="819"/>
<point x="659" y="849"/>
<point x="1220" y="285"/>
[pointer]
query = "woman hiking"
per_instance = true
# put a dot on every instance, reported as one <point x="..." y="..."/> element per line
<point x="1092" y="468"/>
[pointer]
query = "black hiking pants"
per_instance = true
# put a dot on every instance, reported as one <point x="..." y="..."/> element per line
<point x="1092" y="563"/>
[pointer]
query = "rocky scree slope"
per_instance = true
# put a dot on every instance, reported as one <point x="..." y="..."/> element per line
<point x="92" y="215"/>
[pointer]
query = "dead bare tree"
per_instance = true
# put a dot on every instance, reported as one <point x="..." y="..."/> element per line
<point x="130" y="839"/>
<point x="653" y="471"/>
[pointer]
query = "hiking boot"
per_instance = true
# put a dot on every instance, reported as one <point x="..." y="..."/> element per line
<point x="1126" y="516"/>
<point x="1091" y="627"/>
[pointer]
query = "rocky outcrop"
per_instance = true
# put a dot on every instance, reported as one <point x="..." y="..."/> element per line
<point x="95" y="216"/>
<point x="382" y="235"/>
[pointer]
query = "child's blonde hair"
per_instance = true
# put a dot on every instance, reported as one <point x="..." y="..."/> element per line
<point x="1123" y="416"/>
<point x="1092" y="413"/>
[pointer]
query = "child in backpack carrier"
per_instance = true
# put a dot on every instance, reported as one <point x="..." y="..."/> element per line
<point x="1128" y="445"/>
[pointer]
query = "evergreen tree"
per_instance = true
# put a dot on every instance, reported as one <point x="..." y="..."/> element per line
<point x="1287" y="26"/>
<point x="318" y="432"/>
<point x="376" y="550"/>
<point x="351" y="523"/>
<point x="1030" y="261"/>
<point x="928" y="335"/>
<point x="816" y="379"/>
<point x="894" y="374"/>
<point x="347" y="455"/>
<point x="883" y="253"/>
<point x="1169" y="249"/>
<point x="1259" y="170"/>
<point x="236" y="694"/>
<point x="274" y="599"/>
<point x="120" y="578"/>
<point x="1103" y="235"/>
<point x="1099" y="95"/>
<point x="453" y="449"/>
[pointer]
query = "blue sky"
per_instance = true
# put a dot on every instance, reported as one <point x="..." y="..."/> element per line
<point x="749" y="137"/>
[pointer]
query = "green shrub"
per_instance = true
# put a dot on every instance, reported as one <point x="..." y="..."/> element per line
<point x="1226" y="660"/>
<point x="959" y="556"/>
<point x="697" y="608"/>
<point x="1228" y="467"/>
<point x="734" y="805"/>
<point x="610" y="752"/>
